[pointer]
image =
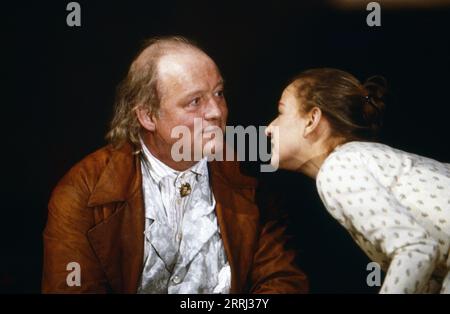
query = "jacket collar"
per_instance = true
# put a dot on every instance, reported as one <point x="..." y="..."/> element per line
<point x="120" y="179"/>
<point x="122" y="176"/>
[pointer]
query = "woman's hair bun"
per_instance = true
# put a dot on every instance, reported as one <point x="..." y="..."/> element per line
<point x="373" y="109"/>
<point x="376" y="87"/>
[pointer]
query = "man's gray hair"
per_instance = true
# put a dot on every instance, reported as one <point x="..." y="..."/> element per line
<point x="140" y="89"/>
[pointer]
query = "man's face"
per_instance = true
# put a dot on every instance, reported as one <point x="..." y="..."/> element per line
<point x="191" y="87"/>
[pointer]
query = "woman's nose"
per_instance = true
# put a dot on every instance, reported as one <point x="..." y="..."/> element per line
<point x="268" y="130"/>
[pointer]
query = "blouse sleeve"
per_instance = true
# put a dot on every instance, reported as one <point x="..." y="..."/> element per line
<point x="354" y="196"/>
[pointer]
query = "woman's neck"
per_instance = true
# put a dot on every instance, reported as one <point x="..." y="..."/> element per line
<point x="319" y="153"/>
<point x="311" y="167"/>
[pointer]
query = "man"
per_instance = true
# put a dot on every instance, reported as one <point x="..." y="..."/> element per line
<point x="136" y="221"/>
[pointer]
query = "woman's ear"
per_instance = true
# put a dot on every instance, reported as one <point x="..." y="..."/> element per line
<point x="146" y="118"/>
<point x="313" y="119"/>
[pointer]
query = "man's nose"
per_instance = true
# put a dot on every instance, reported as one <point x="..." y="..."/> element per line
<point x="213" y="110"/>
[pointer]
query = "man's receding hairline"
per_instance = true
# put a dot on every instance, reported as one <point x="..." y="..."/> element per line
<point x="161" y="49"/>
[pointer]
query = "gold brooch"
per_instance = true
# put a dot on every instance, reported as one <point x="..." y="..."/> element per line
<point x="185" y="189"/>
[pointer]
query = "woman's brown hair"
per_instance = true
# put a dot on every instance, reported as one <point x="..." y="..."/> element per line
<point x="354" y="110"/>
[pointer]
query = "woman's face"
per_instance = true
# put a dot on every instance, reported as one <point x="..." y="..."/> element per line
<point x="286" y="132"/>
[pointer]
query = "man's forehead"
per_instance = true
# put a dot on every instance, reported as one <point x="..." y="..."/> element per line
<point x="185" y="62"/>
<point x="190" y="69"/>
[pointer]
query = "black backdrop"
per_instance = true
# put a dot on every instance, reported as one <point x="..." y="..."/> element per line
<point x="59" y="85"/>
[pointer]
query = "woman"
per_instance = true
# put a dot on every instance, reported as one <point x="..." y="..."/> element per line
<point x="395" y="205"/>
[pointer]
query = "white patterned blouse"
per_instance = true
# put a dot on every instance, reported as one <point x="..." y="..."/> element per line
<point x="396" y="206"/>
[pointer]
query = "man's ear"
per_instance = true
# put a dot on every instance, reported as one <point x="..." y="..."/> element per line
<point x="146" y="118"/>
<point x="314" y="117"/>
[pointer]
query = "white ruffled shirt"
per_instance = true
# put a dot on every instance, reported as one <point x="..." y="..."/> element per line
<point x="396" y="206"/>
<point x="183" y="250"/>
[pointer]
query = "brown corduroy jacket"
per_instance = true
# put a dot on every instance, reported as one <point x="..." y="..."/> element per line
<point x="96" y="219"/>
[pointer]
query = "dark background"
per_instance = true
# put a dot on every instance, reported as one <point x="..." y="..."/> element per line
<point x="59" y="85"/>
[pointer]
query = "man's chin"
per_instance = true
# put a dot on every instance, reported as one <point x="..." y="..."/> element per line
<point x="213" y="149"/>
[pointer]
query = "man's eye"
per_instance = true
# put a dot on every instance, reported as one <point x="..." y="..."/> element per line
<point x="219" y="93"/>
<point x="195" y="102"/>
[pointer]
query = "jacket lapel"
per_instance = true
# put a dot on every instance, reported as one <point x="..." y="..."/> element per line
<point x="238" y="219"/>
<point x="118" y="240"/>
